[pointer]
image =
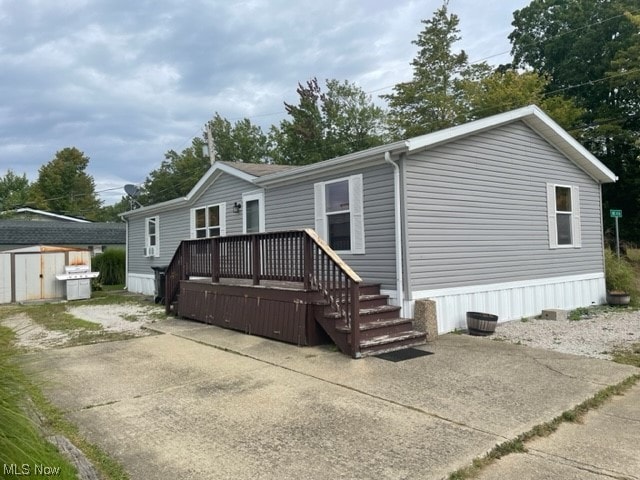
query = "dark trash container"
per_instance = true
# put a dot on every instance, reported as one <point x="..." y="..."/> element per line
<point x="161" y="275"/>
<point x="481" y="324"/>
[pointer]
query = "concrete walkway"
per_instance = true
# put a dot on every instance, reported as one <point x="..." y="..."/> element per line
<point x="604" y="446"/>
<point x="203" y="402"/>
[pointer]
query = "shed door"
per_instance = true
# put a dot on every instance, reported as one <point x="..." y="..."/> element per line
<point x="28" y="285"/>
<point x="36" y="276"/>
<point x="51" y="264"/>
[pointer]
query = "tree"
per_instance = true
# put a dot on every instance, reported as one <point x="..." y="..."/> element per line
<point x="14" y="190"/>
<point x="177" y="174"/>
<point x="327" y="124"/>
<point x="64" y="187"/>
<point x="589" y="50"/>
<point x="435" y="98"/>
<point x="507" y="89"/>
<point x="110" y="213"/>
<point x="240" y="142"/>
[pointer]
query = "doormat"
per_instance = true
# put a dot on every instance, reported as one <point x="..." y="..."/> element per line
<point x="401" y="355"/>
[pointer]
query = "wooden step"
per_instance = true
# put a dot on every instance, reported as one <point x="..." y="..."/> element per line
<point x="379" y="312"/>
<point x="380" y="324"/>
<point x="391" y="343"/>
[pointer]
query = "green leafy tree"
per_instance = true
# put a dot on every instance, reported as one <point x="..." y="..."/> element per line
<point x="177" y="175"/>
<point x="243" y="141"/>
<point x="435" y="98"/>
<point x="63" y="186"/>
<point x="507" y="89"/>
<point x="323" y="125"/>
<point x="110" y="213"/>
<point x="589" y="49"/>
<point x="14" y="190"/>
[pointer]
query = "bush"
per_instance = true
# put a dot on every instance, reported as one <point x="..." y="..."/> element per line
<point x="112" y="266"/>
<point x="619" y="273"/>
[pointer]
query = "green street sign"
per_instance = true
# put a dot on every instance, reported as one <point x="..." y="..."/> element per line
<point x="615" y="213"/>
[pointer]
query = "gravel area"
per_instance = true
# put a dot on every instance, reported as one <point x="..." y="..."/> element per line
<point x="595" y="335"/>
<point x="125" y="318"/>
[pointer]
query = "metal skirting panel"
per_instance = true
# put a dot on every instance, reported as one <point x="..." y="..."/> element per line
<point x="514" y="301"/>
<point x="272" y="313"/>
<point x="140" y="283"/>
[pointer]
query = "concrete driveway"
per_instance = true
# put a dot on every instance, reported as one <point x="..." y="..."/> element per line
<point x="203" y="402"/>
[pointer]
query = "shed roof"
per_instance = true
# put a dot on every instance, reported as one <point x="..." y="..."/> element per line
<point x="24" y="232"/>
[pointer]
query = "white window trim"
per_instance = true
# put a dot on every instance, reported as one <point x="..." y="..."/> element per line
<point x="576" y="233"/>
<point x="222" y="208"/>
<point x="147" y="246"/>
<point x="356" y="213"/>
<point x="247" y="197"/>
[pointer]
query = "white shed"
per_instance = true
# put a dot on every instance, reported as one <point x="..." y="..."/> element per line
<point x="28" y="274"/>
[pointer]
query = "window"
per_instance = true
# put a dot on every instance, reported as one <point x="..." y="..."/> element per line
<point x="563" y="210"/>
<point x="339" y="213"/>
<point x="151" y="235"/>
<point x="336" y="197"/>
<point x="208" y="221"/>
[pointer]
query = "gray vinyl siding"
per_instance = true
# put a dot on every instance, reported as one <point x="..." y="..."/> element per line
<point x="292" y="206"/>
<point x="477" y="211"/>
<point x="175" y="223"/>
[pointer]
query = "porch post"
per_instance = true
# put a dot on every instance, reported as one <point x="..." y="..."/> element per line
<point x="308" y="261"/>
<point x="215" y="260"/>
<point x="255" y="267"/>
<point x="354" y="314"/>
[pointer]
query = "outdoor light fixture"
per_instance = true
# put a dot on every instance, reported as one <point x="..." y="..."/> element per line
<point x="237" y="207"/>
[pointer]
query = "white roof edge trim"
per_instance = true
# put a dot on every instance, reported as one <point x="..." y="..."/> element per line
<point x="47" y="214"/>
<point x="602" y="173"/>
<point x="216" y="167"/>
<point x="310" y="169"/>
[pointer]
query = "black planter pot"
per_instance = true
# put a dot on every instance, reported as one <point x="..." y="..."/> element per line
<point x="481" y="324"/>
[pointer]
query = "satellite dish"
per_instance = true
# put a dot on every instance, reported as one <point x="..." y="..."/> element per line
<point x="131" y="190"/>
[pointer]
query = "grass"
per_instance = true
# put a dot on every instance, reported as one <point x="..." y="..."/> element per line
<point x="54" y="316"/>
<point x="628" y="356"/>
<point x="518" y="444"/>
<point x="21" y="443"/>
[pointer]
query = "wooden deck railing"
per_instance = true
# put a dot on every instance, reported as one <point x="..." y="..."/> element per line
<point x="291" y="256"/>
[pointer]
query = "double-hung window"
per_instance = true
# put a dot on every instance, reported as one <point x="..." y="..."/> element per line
<point x="151" y="237"/>
<point x="339" y="213"/>
<point x="563" y="211"/>
<point x="208" y="221"/>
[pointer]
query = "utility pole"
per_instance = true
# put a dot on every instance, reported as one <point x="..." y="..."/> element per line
<point x="210" y="145"/>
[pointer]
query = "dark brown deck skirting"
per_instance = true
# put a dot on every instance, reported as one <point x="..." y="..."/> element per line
<point x="274" y="312"/>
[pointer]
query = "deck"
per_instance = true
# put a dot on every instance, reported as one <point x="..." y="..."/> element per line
<point x="288" y="286"/>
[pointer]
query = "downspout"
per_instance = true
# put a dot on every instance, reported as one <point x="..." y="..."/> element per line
<point x="126" y="250"/>
<point x="398" y="229"/>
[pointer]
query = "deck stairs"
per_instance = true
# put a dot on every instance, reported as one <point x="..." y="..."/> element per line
<point x="382" y="330"/>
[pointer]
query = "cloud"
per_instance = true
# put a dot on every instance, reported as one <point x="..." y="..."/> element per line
<point x="126" y="81"/>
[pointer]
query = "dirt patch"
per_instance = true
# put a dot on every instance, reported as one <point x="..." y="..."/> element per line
<point x="116" y="320"/>
<point x="32" y="336"/>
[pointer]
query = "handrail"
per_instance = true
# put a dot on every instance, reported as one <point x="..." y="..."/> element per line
<point x="289" y="255"/>
<point x="332" y="254"/>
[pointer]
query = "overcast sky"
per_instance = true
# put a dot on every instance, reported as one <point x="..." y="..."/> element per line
<point x="125" y="81"/>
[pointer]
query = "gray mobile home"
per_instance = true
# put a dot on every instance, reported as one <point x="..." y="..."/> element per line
<point x="500" y="215"/>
